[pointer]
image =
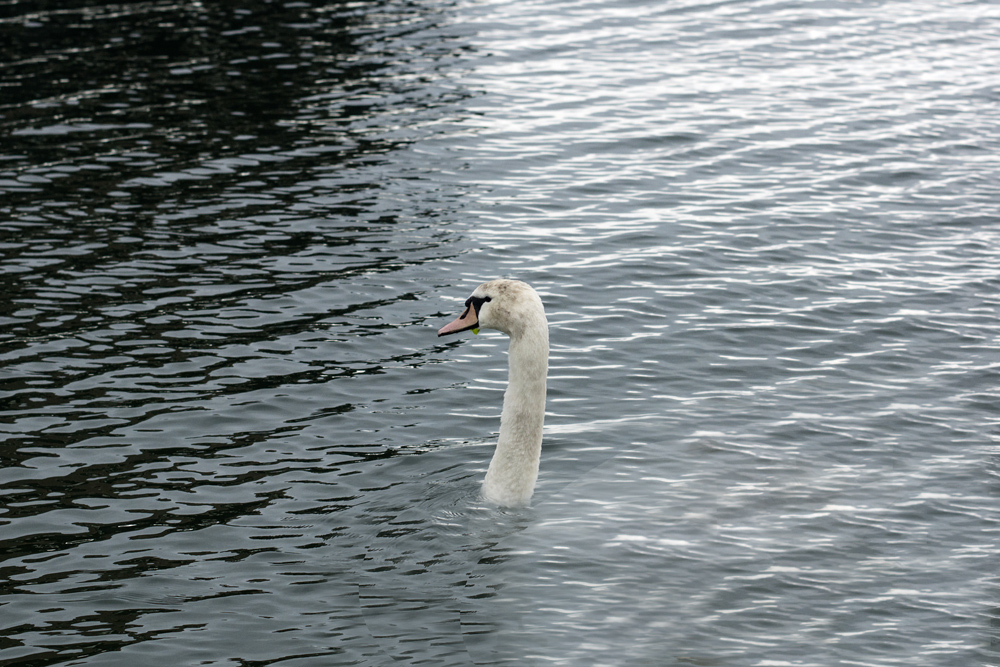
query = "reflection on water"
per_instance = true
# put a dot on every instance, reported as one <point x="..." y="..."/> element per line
<point x="204" y="199"/>
<point x="202" y="231"/>
<point x="765" y="236"/>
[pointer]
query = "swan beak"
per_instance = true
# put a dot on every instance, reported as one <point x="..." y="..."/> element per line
<point x="468" y="320"/>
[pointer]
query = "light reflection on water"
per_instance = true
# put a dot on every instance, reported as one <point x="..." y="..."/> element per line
<point x="764" y="234"/>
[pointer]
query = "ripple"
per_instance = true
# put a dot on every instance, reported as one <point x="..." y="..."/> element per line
<point x="764" y="234"/>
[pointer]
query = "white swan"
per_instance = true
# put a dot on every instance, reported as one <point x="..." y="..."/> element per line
<point x="514" y="308"/>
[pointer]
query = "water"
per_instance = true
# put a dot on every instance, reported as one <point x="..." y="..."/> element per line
<point x="766" y="234"/>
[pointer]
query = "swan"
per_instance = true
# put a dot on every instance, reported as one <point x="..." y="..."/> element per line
<point x="514" y="308"/>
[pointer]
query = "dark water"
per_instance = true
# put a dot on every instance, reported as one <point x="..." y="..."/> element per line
<point x="768" y="239"/>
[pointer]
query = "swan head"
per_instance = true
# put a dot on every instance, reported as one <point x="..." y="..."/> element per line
<point x="510" y="306"/>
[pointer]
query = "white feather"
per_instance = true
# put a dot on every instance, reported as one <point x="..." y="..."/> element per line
<point x="516" y="309"/>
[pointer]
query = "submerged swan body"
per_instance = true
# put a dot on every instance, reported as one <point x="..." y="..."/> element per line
<point x="514" y="308"/>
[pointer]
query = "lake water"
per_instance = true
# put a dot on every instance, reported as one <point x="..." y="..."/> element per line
<point x="767" y="235"/>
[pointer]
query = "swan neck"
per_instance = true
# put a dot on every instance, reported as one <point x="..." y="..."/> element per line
<point x="511" y="477"/>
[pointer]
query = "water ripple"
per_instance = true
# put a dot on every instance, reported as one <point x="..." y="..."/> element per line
<point x="765" y="236"/>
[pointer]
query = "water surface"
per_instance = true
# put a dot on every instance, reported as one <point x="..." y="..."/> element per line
<point x="766" y="236"/>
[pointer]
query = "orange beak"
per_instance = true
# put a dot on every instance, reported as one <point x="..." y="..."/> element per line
<point x="468" y="320"/>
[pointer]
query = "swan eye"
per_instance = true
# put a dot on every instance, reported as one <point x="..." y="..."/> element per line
<point x="476" y="302"/>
